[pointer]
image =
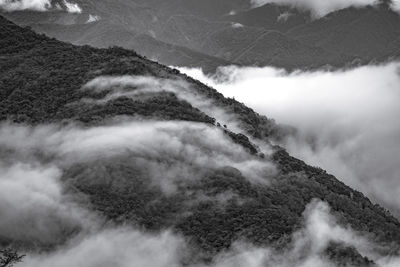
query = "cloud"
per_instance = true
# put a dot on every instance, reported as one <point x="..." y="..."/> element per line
<point x="237" y="25"/>
<point x="283" y="17"/>
<point x="72" y="7"/>
<point x="395" y="5"/>
<point x="34" y="205"/>
<point x="125" y="246"/>
<point x="33" y="208"/>
<point x="347" y="120"/>
<point x="93" y="18"/>
<point x="307" y="247"/>
<point x="318" y="8"/>
<point x="38" y="5"/>
<point x="168" y="151"/>
<point x="139" y="87"/>
<point x="118" y="247"/>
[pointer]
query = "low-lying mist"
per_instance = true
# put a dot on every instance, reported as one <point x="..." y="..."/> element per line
<point x="347" y="120"/>
<point x="125" y="246"/>
<point x="45" y="213"/>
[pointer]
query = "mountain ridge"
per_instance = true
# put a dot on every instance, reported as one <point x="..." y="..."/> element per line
<point x="47" y="82"/>
<point x="219" y="38"/>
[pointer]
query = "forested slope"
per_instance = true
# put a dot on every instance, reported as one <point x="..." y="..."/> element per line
<point x="43" y="81"/>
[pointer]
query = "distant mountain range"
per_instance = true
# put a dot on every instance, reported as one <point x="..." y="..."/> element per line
<point x="209" y="34"/>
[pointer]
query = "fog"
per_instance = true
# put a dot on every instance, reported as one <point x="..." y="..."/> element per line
<point x="118" y="247"/>
<point x="125" y="246"/>
<point x="170" y="151"/>
<point x="140" y="87"/>
<point x="33" y="208"/>
<point x="38" y="210"/>
<point x="347" y="120"/>
<point x="318" y="8"/>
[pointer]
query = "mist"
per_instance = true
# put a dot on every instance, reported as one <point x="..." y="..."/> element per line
<point x="119" y="247"/>
<point x="38" y="209"/>
<point x="141" y="87"/>
<point x="126" y="246"/>
<point x="33" y="209"/>
<point x="318" y="8"/>
<point x="170" y="151"/>
<point x="347" y="121"/>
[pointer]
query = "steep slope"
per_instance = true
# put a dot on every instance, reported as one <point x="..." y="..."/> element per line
<point x="139" y="144"/>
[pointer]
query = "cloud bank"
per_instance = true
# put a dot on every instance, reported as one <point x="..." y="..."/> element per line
<point x="347" y="120"/>
<point x="318" y="8"/>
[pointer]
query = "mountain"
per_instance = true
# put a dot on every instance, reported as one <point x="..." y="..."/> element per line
<point x="271" y="17"/>
<point x="368" y="33"/>
<point x="107" y="33"/>
<point x="208" y="34"/>
<point x="139" y="144"/>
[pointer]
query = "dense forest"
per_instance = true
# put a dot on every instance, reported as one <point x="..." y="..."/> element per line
<point x="41" y="82"/>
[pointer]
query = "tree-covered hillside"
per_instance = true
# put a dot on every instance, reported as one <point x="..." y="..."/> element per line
<point x="218" y="33"/>
<point x="44" y="81"/>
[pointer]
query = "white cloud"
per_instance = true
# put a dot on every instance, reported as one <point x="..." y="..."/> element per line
<point x="38" y="5"/>
<point x="169" y="151"/>
<point x="396" y="5"/>
<point x="137" y="87"/>
<point x="319" y="8"/>
<point x="93" y="18"/>
<point x="125" y="247"/>
<point x="33" y="208"/>
<point x="348" y="120"/>
<point x="237" y="25"/>
<point x="284" y="16"/>
<point x="307" y="246"/>
<point x="118" y="247"/>
<point x="72" y="7"/>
